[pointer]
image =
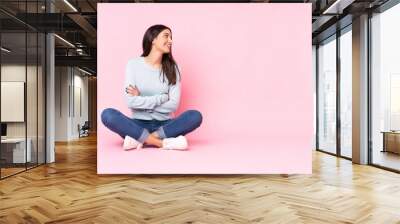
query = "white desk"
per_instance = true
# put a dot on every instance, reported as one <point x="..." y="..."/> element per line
<point x="19" y="149"/>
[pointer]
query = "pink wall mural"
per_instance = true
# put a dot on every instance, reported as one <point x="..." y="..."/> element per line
<point x="245" y="67"/>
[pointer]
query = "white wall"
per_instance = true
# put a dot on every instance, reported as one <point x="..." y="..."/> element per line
<point x="61" y="103"/>
<point x="34" y="125"/>
<point x="79" y="117"/>
<point x="15" y="72"/>
<point x="71" y="93"/>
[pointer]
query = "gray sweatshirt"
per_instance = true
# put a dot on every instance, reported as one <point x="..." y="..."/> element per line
<point x="157" y="99"/>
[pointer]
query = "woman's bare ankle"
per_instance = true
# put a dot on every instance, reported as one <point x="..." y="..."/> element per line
<point x="152" y="140"/>
<point x="155" y="134"/>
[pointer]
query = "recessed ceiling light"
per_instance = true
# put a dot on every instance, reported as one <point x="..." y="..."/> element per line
<point x="64" y="40"/>
<point x="5" y="50"/>
<point x="70" y="5"/>
<point x="337" y="7"/>
<point x="84" y="71"/>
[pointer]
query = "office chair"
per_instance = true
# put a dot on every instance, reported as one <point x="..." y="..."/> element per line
<point x="84" y="130"/>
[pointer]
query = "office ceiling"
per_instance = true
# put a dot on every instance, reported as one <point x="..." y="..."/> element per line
<point x="77" y="22"/>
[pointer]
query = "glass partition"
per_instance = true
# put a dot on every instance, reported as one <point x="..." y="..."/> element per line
<point x="327" y="95"/>
<point x="14" y="153"/>
<point x="22" y="77"/>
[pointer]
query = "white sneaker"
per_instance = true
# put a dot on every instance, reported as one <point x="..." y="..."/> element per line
<point x="131" y="143"/>
<point x="178" y="143"/>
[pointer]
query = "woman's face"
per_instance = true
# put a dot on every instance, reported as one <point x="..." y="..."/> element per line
<point x="163" y="42"/>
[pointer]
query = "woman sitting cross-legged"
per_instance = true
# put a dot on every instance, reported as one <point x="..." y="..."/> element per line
<point x="152" y="92"/>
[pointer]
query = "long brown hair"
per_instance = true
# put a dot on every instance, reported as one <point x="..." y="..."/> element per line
<point x="169" y="67"/>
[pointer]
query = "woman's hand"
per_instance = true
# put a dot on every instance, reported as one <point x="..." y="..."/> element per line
<point x="133" y="91"/>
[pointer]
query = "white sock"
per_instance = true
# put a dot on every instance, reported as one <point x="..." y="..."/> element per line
<point x="131" y="143"/>
<point x="178" y="143"/>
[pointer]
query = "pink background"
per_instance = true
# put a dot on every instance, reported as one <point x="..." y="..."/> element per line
<point x="245" y="67"/>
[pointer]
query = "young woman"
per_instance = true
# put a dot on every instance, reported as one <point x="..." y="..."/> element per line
<point x="152" y="92"/>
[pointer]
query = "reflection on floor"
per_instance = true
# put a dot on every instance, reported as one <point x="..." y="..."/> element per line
<point x="346" y="151"/>
<point x="10" y="169"/>
<point x="386" y="159"/>
<point x="71" y="191"/>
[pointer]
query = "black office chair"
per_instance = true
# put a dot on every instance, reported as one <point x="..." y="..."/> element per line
<point x="84" y="130"/>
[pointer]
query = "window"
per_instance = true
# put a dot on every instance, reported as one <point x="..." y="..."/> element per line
<point x="327" y="95"/>
<point x="385" y="88"/>
<point x="346" y="92"/>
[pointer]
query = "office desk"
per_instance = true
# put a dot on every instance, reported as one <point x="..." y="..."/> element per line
<point x="13" y="150"/>
<point x="391" y="141"/>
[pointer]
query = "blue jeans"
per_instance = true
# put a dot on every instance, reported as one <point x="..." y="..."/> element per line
<point x="141" y="129"/>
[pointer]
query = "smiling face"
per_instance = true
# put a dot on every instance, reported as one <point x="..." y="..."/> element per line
<point x="163" y="41"/>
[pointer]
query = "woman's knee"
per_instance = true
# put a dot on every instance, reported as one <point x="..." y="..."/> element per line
<point x="108" y="115"/>
<point x="195" y="116"/>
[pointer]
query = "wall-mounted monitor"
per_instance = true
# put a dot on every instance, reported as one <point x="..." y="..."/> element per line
<point x="12" y="101"/>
